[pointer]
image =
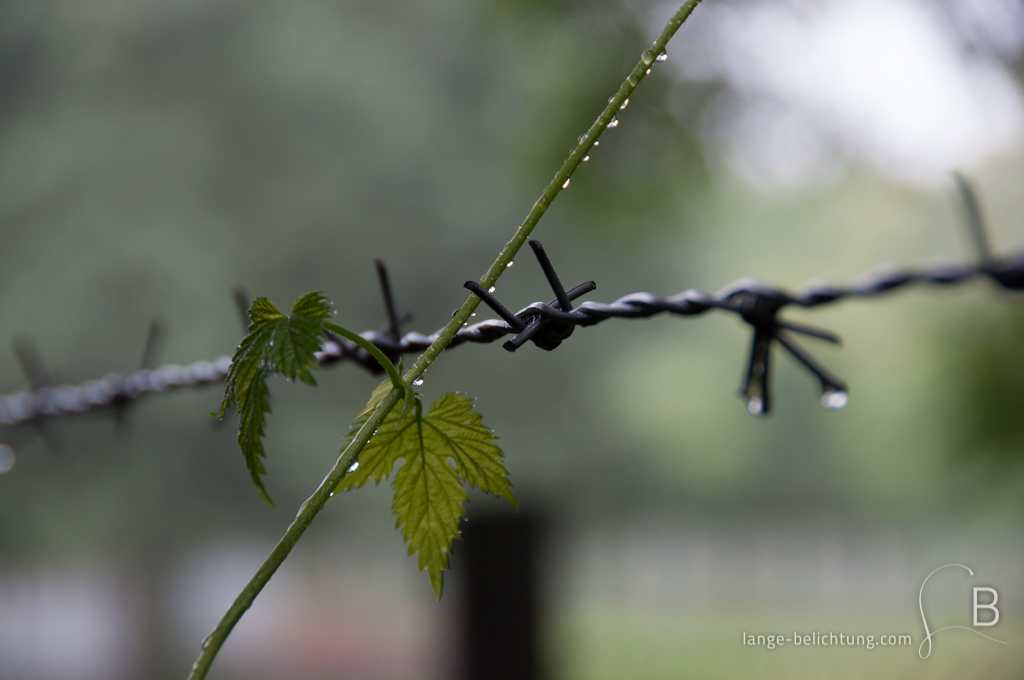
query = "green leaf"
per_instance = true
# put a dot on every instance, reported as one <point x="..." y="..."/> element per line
<point x="429" y="488"/>
<point x="273" y="343"/>
<point x="379" y="392"/>
<point x="297" y="338"/>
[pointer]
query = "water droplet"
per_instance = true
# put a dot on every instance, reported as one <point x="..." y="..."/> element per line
<point x="566" y="185"/>
<point x="624" y="104"/>
<point x="597" y="143"/>
<point x="509" y="265"/>
<point x="6" y="458"/>
<point x="662" y="57"/>
<point x="834" y="399"/>
<point x="582" y="138"/>
<point x="756" y="406"/>
<point x="614" y="123"/>
<point x="586" y="158"/>
<point x="611" y="98"/>
<point x="648" y="72"/>
<point x="489" y="290"/>
<point x="355" y="466"/>
<point x="330" y="495"/>
<point x="417" y="382"/>
<point x="648" y="58"/>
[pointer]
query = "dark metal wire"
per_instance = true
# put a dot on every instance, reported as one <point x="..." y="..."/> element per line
<point x="547" y="325"/>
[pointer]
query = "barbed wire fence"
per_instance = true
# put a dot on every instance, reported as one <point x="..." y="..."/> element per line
<point x="547" y="325"/>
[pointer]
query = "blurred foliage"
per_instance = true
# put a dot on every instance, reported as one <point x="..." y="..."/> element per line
<point x="985" y="369"/>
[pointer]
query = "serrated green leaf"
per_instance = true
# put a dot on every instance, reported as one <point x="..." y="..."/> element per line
<point x="273" y="343"/>
<point x="429" y="489"/>
<point x="296" y="338"/>
<point x="312" y="306"/>
<point x="252" y="420"/>
<point x="471" y="443"/>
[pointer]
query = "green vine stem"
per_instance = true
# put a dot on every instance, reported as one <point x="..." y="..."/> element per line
<point x="315" y="503"/>
<point x="404" y="386"/>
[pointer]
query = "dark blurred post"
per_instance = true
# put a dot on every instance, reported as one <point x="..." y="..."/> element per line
<point x="497" y="564"/>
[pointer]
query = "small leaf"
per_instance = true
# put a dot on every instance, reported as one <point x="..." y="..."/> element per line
<point x="429" y="489"/>
<point x="273" y="343"/>
<point x="379" y="392"/>
<point x="296" y="338"/>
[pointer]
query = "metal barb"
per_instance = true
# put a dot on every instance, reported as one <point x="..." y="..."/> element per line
<point x="1008" y="272"/>
<point x="152" y="346"/>
<point x="564" y="303"/>
<point x="394" y="323"/>
<point x="974" y="220"/>
<point x="31" y="362"/>
<point x="494" y="303"/>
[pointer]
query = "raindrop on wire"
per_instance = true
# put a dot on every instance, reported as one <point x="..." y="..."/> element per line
<point x="756" y="406"/>
<point x="834" y="399"/>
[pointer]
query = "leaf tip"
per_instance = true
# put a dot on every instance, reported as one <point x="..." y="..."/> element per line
<point x="437" y="581"/>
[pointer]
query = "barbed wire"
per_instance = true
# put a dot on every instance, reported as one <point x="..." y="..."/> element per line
<point x="547" y="325"/>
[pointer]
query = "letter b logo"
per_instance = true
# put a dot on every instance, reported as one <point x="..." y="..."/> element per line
<point x="990" y="605"/>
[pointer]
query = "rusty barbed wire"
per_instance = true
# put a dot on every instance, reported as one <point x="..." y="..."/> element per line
<point x="547" y="325"/>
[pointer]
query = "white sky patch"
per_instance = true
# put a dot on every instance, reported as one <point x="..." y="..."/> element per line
<point x="816" y="84"/>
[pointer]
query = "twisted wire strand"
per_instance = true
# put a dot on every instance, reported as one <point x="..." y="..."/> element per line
<point x="116" y="390"/>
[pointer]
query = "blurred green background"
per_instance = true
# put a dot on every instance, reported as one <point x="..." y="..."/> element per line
<point x="155" y="155"/>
